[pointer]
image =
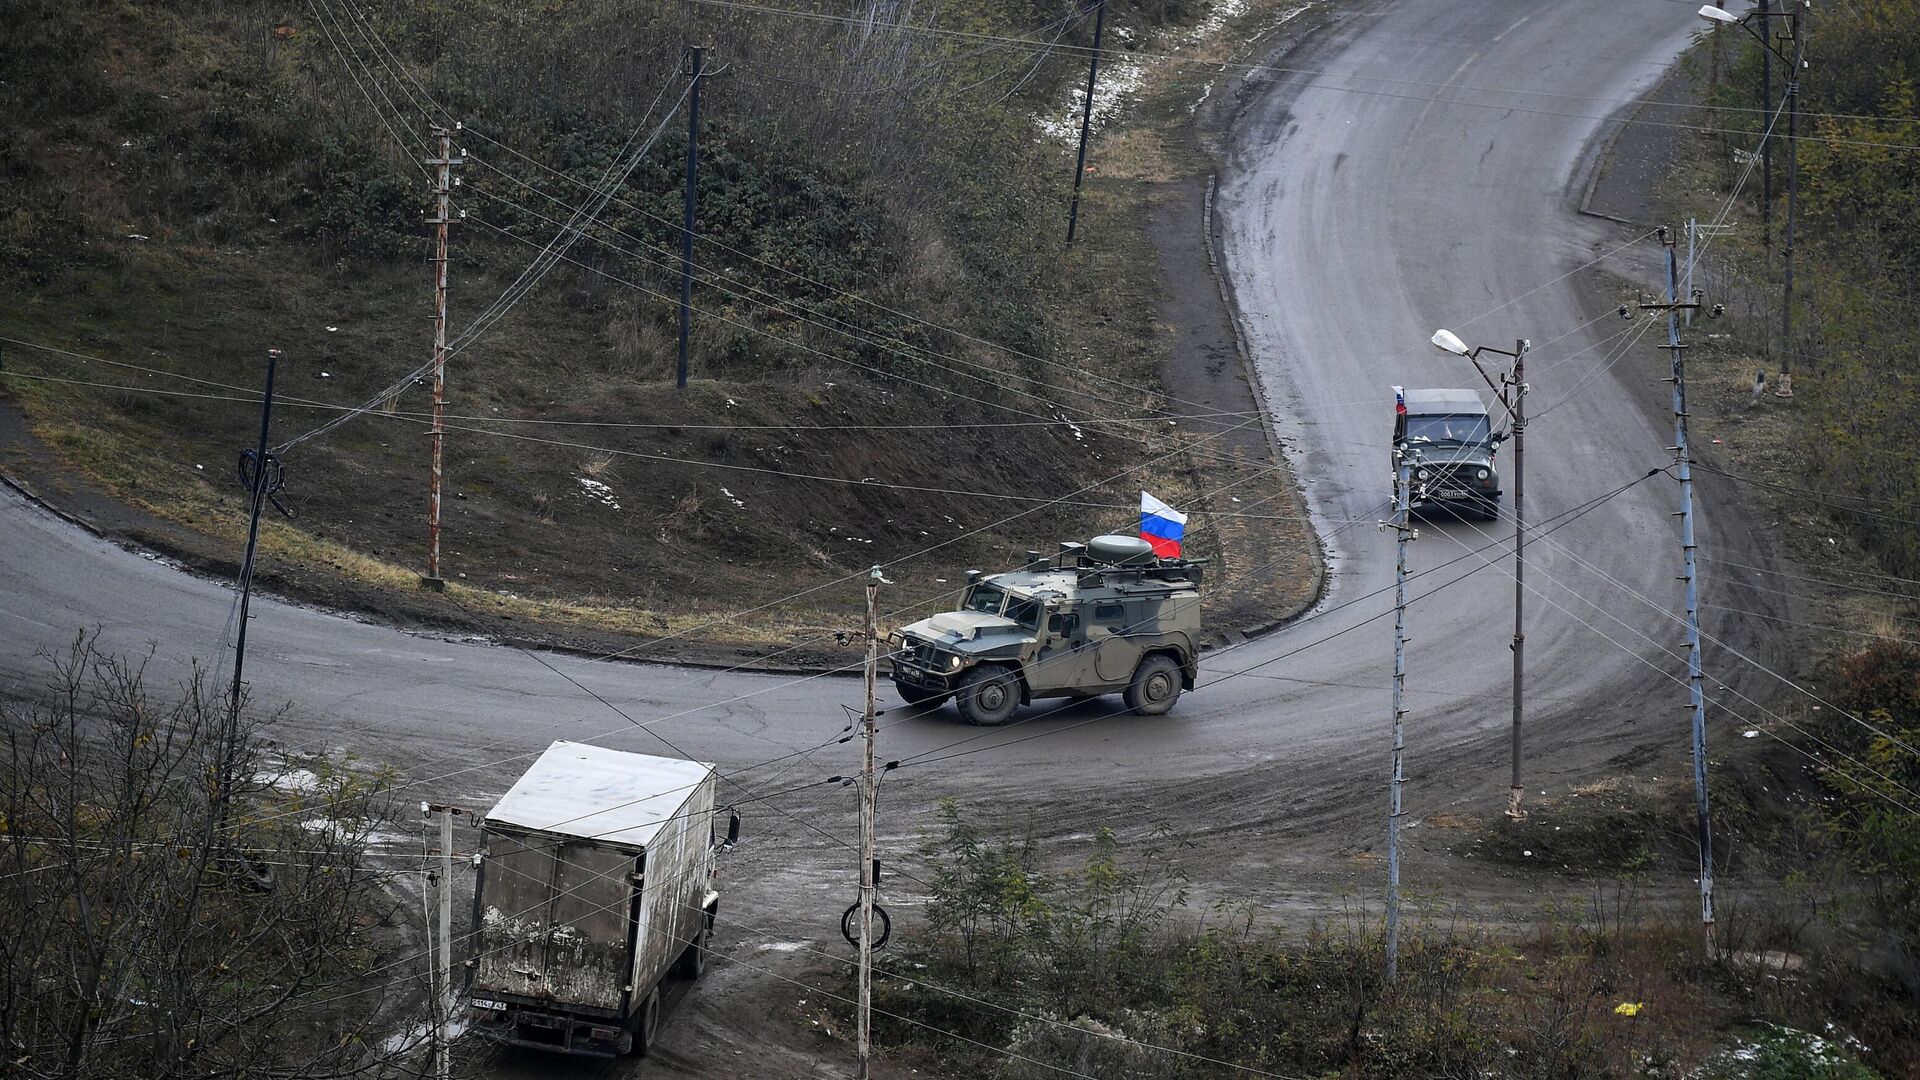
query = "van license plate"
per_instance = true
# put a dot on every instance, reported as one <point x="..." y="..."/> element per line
<point x="483" y="1003"/>
<point x="1451" y="493"/>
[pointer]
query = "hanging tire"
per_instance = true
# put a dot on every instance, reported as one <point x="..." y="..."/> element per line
<point x="1155" y="686"/>
<point x="919" y="695"/>
<point x="988" y="695"/>
<point x="693" y="962"/>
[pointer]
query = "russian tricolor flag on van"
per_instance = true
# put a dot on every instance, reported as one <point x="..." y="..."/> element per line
<point x="1162" y="526"/>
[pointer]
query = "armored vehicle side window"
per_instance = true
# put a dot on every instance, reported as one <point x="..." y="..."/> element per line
<point x="1109" y="614"/>
<point x="1064" y="623"/>
<point x="1024" y="612"/>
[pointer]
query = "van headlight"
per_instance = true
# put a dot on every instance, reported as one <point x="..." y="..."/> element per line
<point x="1421" y="475"/>
<point x="1483" y="474"/>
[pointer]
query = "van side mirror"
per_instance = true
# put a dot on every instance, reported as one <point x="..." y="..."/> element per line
<point x="1499" y="437"/>
<point x="733" y="829"/>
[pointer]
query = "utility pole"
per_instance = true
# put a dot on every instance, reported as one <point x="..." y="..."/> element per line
<point x="1766" y="144"/>
<point x="1402" y="491"/>
<point x="868" y="886"/>
<point x="261" y="486"/>
<point x="1086" y="117"/>
<point x="1696" y="697"/>
<point x="440" y="975"/>
<point x="437" y="433"/>
<point x="697" y="70"/>
<point x="1519" y="410"/>
<point x="1799" y="63"/>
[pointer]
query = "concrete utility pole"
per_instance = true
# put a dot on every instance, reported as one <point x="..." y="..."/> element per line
<point x="440" y="977"/>
<point x="1402" y="492"/>
<point x="1086" y="117"/>
<point x="697" y="70"/>
<point x="1696" y="697"/>
<point x="437" y="433"/>
<point x="1799" y="64"/>
<point x="261" y="485"/>
<point x="868" y="886"/>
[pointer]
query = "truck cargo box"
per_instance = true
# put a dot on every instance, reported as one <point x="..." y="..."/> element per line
<point x="596" y="878"/>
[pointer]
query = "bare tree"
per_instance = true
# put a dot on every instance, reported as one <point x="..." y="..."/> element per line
<point x="173" y="904"/>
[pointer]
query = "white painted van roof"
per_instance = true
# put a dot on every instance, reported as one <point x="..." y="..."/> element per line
<point x="591" y="792"/>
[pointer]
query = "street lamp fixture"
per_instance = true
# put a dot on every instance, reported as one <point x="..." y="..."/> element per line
<point x="1719" y="15"/>
<point x="1448" y="341"/>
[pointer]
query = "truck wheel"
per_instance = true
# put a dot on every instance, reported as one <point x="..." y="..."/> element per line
<point x="987" y="695"/>
<point x="693" y="962"/>
<point x="919" y="695"/>
<point x="1155" y="687"/>
<point x="648" y="1024"/>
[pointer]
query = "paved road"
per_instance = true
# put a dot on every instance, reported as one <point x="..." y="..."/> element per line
<point x="1362" y="211"/>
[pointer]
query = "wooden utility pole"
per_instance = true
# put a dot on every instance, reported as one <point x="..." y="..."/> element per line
<point x="1766" y="108"/>
<point x="868" y="886"/>
<point x="261" y="486"/>
<point x="1086" y="118"/>
<point x="1683" y="463"/>
<point x="440" y="975"/>
<point x="1396" y="778"/>
<point x="1797" y="67"/>
<point x="697" y="70"/>
<point x="440" y="220"/>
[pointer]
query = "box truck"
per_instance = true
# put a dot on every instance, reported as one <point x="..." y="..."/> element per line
<point x="595" y="882"/>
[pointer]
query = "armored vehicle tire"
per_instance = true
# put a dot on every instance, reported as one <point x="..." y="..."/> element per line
<point x="987" y="695"/>
<point x="1155" y="686"/>
<point x="920" y="695"/>
<point x="693" y="962"/>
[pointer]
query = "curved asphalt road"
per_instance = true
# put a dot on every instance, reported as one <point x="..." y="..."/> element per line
<point x="1360" y="215"/>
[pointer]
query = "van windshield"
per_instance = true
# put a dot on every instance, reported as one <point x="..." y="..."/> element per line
<point x="1464" y="428"/>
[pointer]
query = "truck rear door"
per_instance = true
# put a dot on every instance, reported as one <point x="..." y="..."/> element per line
<point x="554" y="925"/>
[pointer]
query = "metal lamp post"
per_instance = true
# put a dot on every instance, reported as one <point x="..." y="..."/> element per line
<point x="1517" y="411"/>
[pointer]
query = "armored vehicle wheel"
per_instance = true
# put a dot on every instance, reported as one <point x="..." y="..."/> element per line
<point x="987" y="695"/>
<point x="920" y="695"/>
<point x="1155" y="687"/>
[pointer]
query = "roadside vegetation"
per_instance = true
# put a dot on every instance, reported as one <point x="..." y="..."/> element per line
<point x="892" y="349"/>
<point x="1103" y="969"/>
<point x="1847" y="451"/>
<point x="178" y="901"/>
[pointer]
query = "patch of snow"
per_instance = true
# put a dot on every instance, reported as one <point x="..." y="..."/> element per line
<point x="598" y="492"/>
<point x="734" y="499"/>
<point x="784" y="946"/>
<point x="288" y="780"/>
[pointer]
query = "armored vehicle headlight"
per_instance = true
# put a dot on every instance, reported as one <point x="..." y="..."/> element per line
<point x="1483" y="474"/>
<point x="953" y="661"/>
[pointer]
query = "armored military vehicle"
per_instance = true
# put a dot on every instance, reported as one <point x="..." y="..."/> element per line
<point x="1452" y="443"/>
<point x="1102" y="617"/>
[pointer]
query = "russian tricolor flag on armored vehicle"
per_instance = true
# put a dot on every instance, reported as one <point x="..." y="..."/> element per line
<point x="1162" y="526"/>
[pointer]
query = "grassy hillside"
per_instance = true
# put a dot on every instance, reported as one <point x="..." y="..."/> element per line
<point x="892" y="352"/>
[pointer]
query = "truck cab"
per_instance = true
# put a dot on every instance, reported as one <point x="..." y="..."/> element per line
<point x="1099" y="618"/>
<point x="1451" y="446"/>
